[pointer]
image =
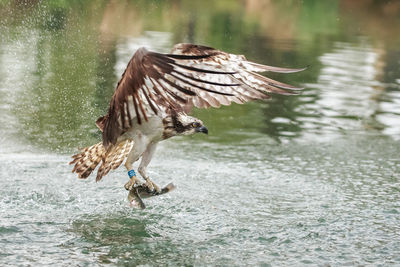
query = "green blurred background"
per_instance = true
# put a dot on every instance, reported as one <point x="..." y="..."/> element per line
<point x="71" y="54"/>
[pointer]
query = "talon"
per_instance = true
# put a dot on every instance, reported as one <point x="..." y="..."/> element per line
<point x="152" y="187"/>
<point x="156" y="188"/>
<point x="132" y="183"/>
<point x="128" y="185"/>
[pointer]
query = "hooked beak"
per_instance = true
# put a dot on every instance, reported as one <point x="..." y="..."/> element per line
<point x="202" y="129"/>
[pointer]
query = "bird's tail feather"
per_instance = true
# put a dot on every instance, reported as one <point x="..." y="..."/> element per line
<point x="87" y="160"/>
<point x="114" y="157"/>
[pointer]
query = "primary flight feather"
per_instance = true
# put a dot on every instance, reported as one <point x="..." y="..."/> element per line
<point x="154" y="96"/>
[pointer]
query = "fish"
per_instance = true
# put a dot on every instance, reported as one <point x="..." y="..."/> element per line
<point x="140" y="192"/>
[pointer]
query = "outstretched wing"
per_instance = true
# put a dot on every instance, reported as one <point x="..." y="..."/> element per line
<point x="190" y="76"/>
<point x="249" y="84"/>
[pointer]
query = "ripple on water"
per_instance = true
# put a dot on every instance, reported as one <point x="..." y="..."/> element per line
<point x="304" y="180"/>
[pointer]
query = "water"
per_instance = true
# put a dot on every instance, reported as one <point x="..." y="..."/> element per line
<point x="300" y="180"/>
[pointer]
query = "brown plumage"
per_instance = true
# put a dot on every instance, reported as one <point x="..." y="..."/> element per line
<point x="115" y="156"/>
<point x="191" y="75"/>
<point x="167" y="86"/>
<point x="87" y="160"/>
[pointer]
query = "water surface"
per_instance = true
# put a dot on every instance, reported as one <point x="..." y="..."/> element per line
<point x="301" y="180"/>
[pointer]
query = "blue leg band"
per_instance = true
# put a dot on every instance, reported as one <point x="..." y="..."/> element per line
<point x="131" y="173"/>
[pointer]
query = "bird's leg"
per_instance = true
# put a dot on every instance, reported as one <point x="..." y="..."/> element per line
<point x="132" y="175"/>
<point x="133" y="157"/>
<point x="146" y="158"/>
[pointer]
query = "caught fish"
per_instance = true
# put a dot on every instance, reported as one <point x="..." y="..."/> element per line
<point x="136" y="194"/>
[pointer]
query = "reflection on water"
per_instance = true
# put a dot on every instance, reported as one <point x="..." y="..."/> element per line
<point x="312" y="178"/>
<point x="349" y="90"/>
<point x="119" y="238"/>
<point x="63" y="74"/>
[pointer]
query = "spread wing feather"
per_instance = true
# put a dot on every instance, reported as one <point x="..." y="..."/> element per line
<point x="191" y="76"/>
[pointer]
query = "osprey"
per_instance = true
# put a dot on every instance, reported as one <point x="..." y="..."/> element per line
<point x="154" y="96"/>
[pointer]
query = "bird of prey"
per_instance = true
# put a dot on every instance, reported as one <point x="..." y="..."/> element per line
<point x="153" y="97"/>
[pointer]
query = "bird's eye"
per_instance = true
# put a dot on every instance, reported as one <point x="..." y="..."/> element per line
<point x="195" y="124"/>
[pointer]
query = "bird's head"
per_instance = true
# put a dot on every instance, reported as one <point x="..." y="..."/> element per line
<point x="187" y="125"/>
<point x="182" y="124"/>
